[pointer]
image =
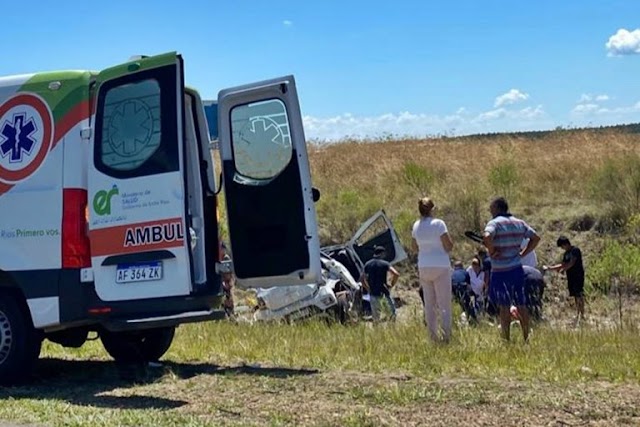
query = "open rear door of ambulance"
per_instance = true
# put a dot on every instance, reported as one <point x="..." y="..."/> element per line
<point x="272" y="220"/>
<point x="137" y="204"/>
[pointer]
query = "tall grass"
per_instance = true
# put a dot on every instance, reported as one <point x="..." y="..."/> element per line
<point x="553" y="182"/>
<point x="553" y="355"/>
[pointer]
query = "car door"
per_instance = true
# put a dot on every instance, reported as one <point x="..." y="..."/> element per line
<point x="267" y="185"/>
<point x="377" y="231"/>
<point x="137" y="206"/>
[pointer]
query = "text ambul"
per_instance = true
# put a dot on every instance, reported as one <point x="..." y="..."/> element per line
<point x="153" y="234"/>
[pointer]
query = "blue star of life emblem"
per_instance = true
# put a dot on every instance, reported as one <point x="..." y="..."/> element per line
<point x="17" y="137"/>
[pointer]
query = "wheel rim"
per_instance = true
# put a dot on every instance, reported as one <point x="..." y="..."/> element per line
<point x="6" y="337"/>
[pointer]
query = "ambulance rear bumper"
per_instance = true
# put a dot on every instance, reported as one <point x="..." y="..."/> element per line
<point x="118" y="325"/>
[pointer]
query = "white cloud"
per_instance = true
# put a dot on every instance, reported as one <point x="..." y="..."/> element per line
<point x="585" y="108"/>
<point x="287" y="23"/>
<point x="491" y="115"/>
<point x="586" y="98"/>
<point x="624" y="42"/>
<point x="511" y="97"/>
<point x="531" y="113"/>
<point x="528" y="113"/>
<point x="462" y="122"/>
<point x="596" y="114"/>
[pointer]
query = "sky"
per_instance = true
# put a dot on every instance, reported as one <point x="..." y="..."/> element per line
<point x="366" y="69"/>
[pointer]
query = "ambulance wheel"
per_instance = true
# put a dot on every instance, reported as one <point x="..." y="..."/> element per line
<point x="20" y="343"/>
<point x="139" y="346"/>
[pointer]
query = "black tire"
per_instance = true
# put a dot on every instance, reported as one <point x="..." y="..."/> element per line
<point x="140" y="346"/>
<point x="20" y="343"/>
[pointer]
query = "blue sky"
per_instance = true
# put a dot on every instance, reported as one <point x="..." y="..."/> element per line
<point x="367" y="68"/>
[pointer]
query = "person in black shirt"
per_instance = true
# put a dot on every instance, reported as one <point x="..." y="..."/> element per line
<point x="374" y="279"/>
<point x="572" y="265"/>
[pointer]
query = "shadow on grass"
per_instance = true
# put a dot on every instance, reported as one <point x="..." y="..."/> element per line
<point x="84" y="382"/>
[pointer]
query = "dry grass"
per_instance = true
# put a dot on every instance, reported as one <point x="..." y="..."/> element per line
<point x="312" y="374"/>
<point x="552" y="191"/>
<point x="558" y="163"/>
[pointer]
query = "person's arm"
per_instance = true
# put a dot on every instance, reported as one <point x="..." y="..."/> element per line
<point x="487" y="239"/>
<point x="414" y="240"/>
<point x="363" y="280"/>
<point x="574" y="254"/>
<point x="567" y="265"/>
<point x="447" y="243"/>
<point x="563" y="266"/>
<point x="445" y="238"/>
<point x="555" y="267"/>
<point x="394" y="276"/>
<point x="485" y="288"/>
<point x="533" y="243"/>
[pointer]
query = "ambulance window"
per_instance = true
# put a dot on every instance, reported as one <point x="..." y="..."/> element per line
<point x="136" y="126"/>
<point x="131" y="132"/>
<point x="261" y="139"/>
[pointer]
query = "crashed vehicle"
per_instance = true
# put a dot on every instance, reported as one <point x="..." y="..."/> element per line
<point x="339" y="293"/>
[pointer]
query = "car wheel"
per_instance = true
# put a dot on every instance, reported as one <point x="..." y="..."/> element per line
<point x="139" y="346"/>
<point x="20" y="343"/>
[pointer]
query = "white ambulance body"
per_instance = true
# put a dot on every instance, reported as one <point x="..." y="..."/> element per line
<point x="108" y="207"/>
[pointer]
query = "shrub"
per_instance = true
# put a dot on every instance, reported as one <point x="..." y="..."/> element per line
<point x="618" y="264"/>
<point x="418" y="177"/>
<point x="617" y="184"/>
<point x="503" y="178"/>
<point x="467" y="208"/>
<point x="342" y="214"/>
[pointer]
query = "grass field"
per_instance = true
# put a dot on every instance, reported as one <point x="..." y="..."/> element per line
<point x="313" y="374"/>
<point x="579" y="183"/>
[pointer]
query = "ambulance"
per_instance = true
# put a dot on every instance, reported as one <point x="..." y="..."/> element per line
<point x="109" y="220"/>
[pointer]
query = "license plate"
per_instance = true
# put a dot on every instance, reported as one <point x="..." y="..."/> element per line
<point x="128" y="273"/>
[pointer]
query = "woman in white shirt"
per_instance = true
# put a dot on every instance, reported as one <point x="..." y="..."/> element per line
<point x="432" y="241"/>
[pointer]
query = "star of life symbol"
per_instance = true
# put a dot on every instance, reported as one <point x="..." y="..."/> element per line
<point x="16" y="137"/>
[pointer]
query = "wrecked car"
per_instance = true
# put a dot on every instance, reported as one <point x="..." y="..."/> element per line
<point x="339" y="295"/>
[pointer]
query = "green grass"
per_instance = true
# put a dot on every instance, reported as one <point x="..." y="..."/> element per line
<point x="241" y="374"/>
<point x="552" y="355"/>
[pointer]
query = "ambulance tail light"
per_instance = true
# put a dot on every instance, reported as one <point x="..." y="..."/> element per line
<point x="75" y="242"/>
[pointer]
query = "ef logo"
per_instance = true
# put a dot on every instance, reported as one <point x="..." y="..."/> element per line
<point x="102" y="201"/>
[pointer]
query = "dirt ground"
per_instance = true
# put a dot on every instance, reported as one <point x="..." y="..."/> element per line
<point x="261" y="395"/>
